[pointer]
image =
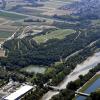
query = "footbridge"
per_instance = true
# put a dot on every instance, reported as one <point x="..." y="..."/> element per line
<point x="82" y="94"/>
<point x="54" y="88"/>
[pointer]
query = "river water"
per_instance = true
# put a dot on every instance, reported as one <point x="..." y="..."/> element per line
<point x="81" y="69"/>
<point x="90" y="89"/>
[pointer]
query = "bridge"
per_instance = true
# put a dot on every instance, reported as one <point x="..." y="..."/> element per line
<point x="58" y="89"/>
<point x="82" y="94"/>
<point x="54" y="88"/>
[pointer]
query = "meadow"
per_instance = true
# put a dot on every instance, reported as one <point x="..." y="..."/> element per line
<point x="11" y="16"/>
<point x="57" y="34"/>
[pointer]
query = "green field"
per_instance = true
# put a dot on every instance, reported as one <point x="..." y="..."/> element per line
<point x="57" y="34"/>
<point x="11" y="16"/>
<point x="5" y="34"/>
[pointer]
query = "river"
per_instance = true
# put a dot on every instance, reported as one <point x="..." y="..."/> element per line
<point x="81" y="69"/>
<point x="92" y="88"/>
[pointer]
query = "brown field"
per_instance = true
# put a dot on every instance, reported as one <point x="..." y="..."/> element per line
<point x="8" y="28"/>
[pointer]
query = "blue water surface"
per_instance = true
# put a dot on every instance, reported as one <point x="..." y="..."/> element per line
<point x="90" y="89"/>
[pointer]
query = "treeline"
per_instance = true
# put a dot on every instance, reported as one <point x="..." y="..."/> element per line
<point x="6" y="74"/>
<point x="75" y="18"/>
<point x="82" y="24"/>
<point x="71" y="18"/>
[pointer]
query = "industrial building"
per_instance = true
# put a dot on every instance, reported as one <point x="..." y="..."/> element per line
<point x="19" y="93"/>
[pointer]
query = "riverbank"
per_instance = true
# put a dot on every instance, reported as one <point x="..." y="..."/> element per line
<point x="80" y="69"/>
<point x="88" y="83"/>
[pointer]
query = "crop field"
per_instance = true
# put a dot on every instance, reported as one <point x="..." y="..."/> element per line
<point x="57" y="34"/>
<point x="49" y="8"/>
<point x="6" y="30"/>
<point x="30" y="11"/>
<point x="10" y="21"/>
<point x="4" y="34"/>
<point x="11" y="16"/>
<point x="6" y="24"/>
<point x="53" y="6"/>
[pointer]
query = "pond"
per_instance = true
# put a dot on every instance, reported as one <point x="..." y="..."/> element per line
<point x="35" y="69"/>
<point x="93" y="87"/>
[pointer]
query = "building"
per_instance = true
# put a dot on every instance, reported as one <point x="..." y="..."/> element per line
<point x="19" y="93"/>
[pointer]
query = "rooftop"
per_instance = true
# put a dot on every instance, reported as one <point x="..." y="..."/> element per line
<point x="19" y="93"/>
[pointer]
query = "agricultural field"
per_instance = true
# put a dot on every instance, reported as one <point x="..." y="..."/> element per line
<point x="6" y="29"/>
<point x="5" y="34"/>
<point x="48" y="8"/>
<point x="57" y="34"/>
<point x="11" y="16"/>
<point x="7" y="19"/>
<point x="25" y="10"/>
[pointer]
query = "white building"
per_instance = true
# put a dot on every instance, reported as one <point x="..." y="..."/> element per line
<point x="19" y="93"/>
